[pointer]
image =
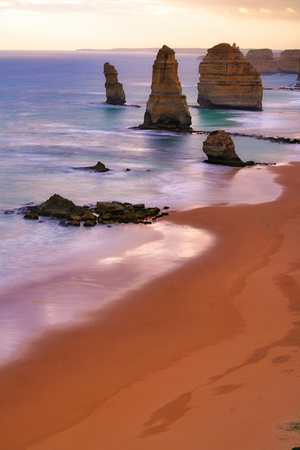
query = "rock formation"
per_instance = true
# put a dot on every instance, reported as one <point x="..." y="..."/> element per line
<point x="57" y="206"/>
<point x="219" y="149"/>
<point x="167" y="107"/>
<point x="262" y="60"/>
<point x="114" y="90"/>
<point x="289" y="61"/>
<point x="228" y="81"/>
<point x="103" y="212"/>
<point x="298" y="79"/>
<point x="99" y="167"/>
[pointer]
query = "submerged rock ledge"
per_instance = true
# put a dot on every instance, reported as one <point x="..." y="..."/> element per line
<point x="57" y="207"/>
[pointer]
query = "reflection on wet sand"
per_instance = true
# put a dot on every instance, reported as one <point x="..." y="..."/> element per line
<point x="64" y="299"/>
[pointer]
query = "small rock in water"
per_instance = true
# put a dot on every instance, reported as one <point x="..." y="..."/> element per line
<point x="219" y="149"/>
<point x="114" y="90"/>
<point x="31" y="216"/>
<point x="99" y="167"/>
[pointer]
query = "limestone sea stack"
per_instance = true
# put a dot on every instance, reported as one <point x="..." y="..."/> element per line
<point x="166" y="108"/>
<point x="262" y="60"/>
<point x="219" y="149"/>
<point x="298" y="79"/>
<point x="114" y="90"/>
<point x="228" y="81"/>
<point x="289" y="61"/>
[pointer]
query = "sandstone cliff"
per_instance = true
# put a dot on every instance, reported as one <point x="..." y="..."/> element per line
<point x="228" y="81"/>
<point x="262" y="60"/>
<point x="289" y="61"/>
<point x="167" y="107"/>
<point x="114" y="90"/>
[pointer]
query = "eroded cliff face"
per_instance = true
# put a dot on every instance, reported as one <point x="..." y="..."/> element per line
<point x="167" y="107"/>
<point x="289" y="61"/>
<point x="114" y="90"/>
<point x="228" y="81"/>
<point x="262" y="60"/>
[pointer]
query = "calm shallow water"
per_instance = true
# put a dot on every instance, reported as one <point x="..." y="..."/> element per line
<point x="54" y="118"/>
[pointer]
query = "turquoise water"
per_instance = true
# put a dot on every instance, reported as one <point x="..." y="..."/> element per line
<point x="53" y="118"/>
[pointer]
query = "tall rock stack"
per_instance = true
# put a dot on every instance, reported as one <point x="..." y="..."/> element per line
<point x="298" y="79"/>
<point x="114" y="90"/>
<point x="228" y="81"/>
<point x="289" y="61"/>
<point x="262" y="60"/>
<point x="167" y="107"/>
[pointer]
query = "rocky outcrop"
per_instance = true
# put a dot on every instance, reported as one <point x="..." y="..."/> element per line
<point x="103" y="212"/>
<point x="99" y="167"/>
<point x="114" y="90"/>
<point x="57" y="206"/>
<point x="167" y="107"/>
<point x="289" y="61"/>
<point x="219" y="149"/>
<point x="262" y="60"/>
<point x="228" y="81"/>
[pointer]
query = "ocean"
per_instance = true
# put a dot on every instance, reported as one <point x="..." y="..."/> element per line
<point x="53" y="120"/>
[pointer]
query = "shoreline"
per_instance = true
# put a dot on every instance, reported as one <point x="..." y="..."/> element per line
<point x="182" y="353"/>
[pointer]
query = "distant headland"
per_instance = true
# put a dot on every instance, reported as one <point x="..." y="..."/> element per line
<point x="192" y="50"/>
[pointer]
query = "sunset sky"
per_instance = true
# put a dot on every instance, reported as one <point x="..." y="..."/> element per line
<point x="106" y="24"/>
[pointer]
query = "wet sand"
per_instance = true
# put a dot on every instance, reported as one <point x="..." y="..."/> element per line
<point x="205" y="357"/>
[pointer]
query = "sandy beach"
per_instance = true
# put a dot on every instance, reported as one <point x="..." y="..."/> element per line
<point x="205" y="357"/>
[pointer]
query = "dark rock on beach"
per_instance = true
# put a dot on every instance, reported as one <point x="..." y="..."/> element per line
<point x="58" y="207"/>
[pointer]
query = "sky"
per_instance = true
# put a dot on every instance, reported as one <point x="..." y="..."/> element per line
<point x="107" y="24"/>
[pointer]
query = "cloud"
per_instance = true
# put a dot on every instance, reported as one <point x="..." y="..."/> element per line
<point x="265" y="11"/>
<point x="244" y="10"/>
<point x="272" y="9"/>
<point x="290" y="11"/>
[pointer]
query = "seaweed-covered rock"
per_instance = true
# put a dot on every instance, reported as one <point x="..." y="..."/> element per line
<point x="124" y="212"/>
<point x="31" y="216"/>
<point x="103" y="212"/>
<point x="220" y="149"/>
<point x="88" y="215"/>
